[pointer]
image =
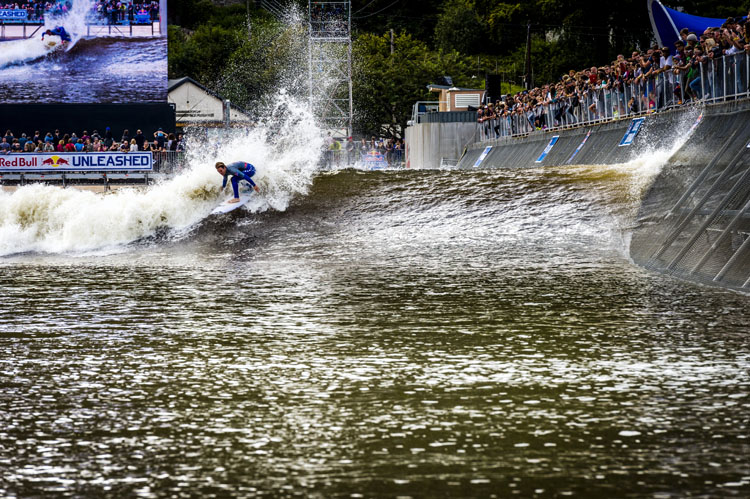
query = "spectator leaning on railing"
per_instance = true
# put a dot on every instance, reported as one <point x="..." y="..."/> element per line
<point x="698" y="67"/>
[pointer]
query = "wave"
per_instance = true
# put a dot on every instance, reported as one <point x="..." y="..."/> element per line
<point x="49" y="219"/>
<point x="594" y="204"/>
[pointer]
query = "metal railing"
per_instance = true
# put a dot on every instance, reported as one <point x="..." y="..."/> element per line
<point x="716" y="80"/>
<point x="169" y="161"/>
<point x="423" y="107"/>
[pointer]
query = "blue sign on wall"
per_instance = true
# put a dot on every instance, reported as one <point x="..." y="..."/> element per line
<point x="547" y="149"/>
<point x="580" y="146"/>
<point x="633" y="129"/>
<point x="13" y="15"/>
<point x="482" y="156"/>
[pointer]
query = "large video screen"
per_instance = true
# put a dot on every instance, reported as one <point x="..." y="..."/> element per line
<point x="83" y="51"/>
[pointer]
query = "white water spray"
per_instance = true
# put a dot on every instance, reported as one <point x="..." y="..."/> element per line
<point x="49" y="219"/>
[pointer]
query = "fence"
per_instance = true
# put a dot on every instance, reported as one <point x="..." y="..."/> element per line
<point x="341" y="158"/>
<point x="717" y="80"/>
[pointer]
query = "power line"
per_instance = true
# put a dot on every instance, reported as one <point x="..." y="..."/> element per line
<point x="363" y="8"/>
<point x="379" y="11"/>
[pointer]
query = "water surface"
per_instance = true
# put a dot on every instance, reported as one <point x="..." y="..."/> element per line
<point x="423" y="334"/>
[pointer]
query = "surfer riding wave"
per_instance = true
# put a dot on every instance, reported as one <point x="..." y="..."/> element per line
<point x="58" y="31"/>
<point x="239" y="170"/>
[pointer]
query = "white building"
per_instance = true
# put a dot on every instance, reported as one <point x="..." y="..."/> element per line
<point x="195" y="105"/>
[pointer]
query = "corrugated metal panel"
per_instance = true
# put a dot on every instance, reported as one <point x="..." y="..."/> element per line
<point x="449" y="117"/>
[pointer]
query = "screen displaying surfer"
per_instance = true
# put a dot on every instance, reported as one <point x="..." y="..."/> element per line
<point x="239" y="170"/>
<point x="85" y="40"/>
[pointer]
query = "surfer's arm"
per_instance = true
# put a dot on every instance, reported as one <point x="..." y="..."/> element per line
<point x="249" y="179"/>
<point x="224" y="182"/>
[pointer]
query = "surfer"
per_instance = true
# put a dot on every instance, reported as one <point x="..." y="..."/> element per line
<point x="59" y="31"/>
<point x="239" y="170"/>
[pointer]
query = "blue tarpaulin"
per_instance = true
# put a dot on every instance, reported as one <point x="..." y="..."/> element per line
<point x="667" y="23"/>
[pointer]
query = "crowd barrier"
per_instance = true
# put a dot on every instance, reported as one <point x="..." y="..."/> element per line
<point x="342" y="158"/>
<point x="60" y="168"/>
<point x="718" y="80"/>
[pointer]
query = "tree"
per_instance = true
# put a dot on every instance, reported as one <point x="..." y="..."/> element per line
<point x="460" y="28"/>
<point x="389" y="84"/>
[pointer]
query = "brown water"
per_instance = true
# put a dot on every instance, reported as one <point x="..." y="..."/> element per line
<point x="423" y="334"/>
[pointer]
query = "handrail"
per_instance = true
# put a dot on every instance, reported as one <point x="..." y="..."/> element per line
<point x="719" y="80"/>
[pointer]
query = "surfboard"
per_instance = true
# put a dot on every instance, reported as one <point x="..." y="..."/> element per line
<point x="52" y="42"/>
<point x="226" y="206"/>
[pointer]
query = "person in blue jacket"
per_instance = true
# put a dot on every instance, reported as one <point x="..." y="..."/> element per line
<point x="239" y="170"/>
<point x="59" y="31"/>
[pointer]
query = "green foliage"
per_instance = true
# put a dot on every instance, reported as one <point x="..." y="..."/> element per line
<point x="240" y="62"/>
<point x="459" y="27"/>
<point x="465" y="39"/>
<point x="388" y="84"/>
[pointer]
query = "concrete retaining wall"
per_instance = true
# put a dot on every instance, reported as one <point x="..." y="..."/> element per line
<point x="428" y="143"/>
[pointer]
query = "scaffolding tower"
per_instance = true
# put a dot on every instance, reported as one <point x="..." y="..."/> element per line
<point x="330" y="63"/>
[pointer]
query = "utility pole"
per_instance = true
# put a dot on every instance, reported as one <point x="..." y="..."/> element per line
<point x="527" y="70"/>
<point x="392" y="41"/>
<point x="249" y="27"/>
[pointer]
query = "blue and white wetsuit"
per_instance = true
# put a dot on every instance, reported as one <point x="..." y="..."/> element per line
<point x="59" y="31"/>
<point x="239" y="170"/>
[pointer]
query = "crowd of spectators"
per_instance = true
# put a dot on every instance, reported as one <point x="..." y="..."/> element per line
<point x="161" y="142"/>
<point x="108" y="11"/>
<point x="699" y="66"/>
<point x="349" y="151"/>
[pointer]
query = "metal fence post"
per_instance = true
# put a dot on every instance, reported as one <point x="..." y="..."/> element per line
<point x="724" y="77"/>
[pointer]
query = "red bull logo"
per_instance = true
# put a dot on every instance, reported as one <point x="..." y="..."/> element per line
<point x="55" y="161"/>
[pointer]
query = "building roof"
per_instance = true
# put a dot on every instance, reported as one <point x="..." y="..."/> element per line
<point x="178" y="82"/>
<point x="432" y="87"/>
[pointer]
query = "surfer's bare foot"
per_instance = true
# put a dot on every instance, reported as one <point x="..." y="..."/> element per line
<point x="234" y="200"/>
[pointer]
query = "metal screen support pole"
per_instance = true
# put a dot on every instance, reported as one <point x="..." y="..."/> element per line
<point x="703" y="174"/>
<point x="722" y="236"/>
<point x="676" y="232"/>
<point x="731" y="261"/>
<point x="709" y="220"/>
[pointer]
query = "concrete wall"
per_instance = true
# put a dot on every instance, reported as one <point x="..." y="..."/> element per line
<point x="602" y="146"/>
<point x="694" y="220"/>
<point x="427" y="143"/>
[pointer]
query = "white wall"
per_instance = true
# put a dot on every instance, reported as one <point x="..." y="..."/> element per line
<point x="427" y="143"/>
<point x="196" y="106"/>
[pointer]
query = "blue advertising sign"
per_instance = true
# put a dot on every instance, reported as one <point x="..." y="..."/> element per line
<point x="547" y="149"/>
<point x="580" y="146"/>
<point x="633" y="129"/>
<point x="71" y="162"/>
<point x="482" y="156"/>
<point x="13" y="15"/>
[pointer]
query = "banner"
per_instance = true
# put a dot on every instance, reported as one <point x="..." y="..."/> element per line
<point x="633" y="129"/>
<point x="482" y="156"/>
<point x="77" y="162"/>
<point x="374" y="160"/>
<point x="547" y="149"/>
<point x="580" y="146"/>
<point x="13" y="15"/>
